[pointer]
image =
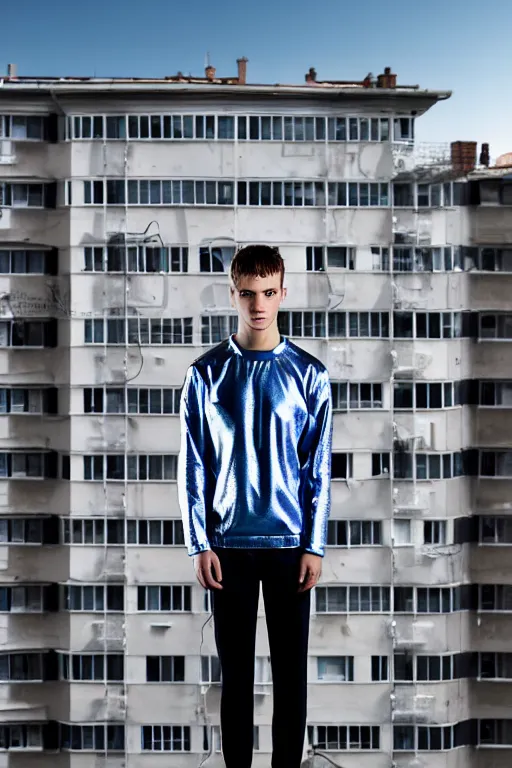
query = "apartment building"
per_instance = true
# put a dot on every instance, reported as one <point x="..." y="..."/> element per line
<point x="121" y="204"/>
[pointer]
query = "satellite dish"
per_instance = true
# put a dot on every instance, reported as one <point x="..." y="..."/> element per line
<point x="504" y="160"/>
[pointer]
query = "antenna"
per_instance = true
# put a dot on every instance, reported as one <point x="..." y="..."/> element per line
<point x="207" y="59"/>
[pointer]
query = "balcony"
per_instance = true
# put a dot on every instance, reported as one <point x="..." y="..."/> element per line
<point x="410" y="634"/>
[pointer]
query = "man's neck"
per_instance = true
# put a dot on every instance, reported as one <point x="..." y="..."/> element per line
<point x="259" y="342"/>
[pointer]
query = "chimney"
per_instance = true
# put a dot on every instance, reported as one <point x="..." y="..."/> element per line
<point x="387" y="80"/>
<point x="311" y="75"/>
<point x="463" y="155"/>
<point x="485" y="158"/>
<point x="12" y="71"/>
<point x="210" y="72"/>
<point x="242" y="70"/>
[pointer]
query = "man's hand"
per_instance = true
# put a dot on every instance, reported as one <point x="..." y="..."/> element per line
<point x="310" y="571"/>
<point x="208" y="571"/>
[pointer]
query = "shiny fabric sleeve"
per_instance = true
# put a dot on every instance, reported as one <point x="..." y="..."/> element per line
<point x="192" y="462"/>
<point x="317" y="496"/>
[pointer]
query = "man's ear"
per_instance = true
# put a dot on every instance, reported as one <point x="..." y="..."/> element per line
<point x="285" y="291"/>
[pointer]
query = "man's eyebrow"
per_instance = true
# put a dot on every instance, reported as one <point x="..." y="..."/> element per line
<point x="247" y="290"/>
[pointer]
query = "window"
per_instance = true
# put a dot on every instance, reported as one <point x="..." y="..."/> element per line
<point x="401" y="532"/>
<point x="320" y="257"/>
<point x="434" y="531"/>
<point x="215" y="259"/>
<point x="20" y="400"/>
<point x="19" y="667"/>
<point x="161" y="192"/>
<point x="495" y="597"/>
<point x="138" y="331"/>
<point x="28" y="333"/>
<point x="296" y="194"/>
<point x="434" y="466"/>
<point x="93" y="738"/>
<point x="434" y="737"/>
<point x="23" y="466"/>
<point x="355" y="396"/>
<point x="344" y="737"/>
<point x="165" y="669"/>
<point x="495" y="666"/>
<point x="495" y="463"/>
<point x="155" y="533"/>
<point x="428" y="325"/>
<point x="335" y="668"/>
<point x="28" y="262"/>
<point x="495" y="259"/>
<point x="424" y="259"/>
<point x="352" y="599"/>
<point x="94" y="667"/>
<point x="495" y="530"/>
<point x="210" y="669"/>
<point x="175" y="598"/>
<point x="433" y="599"/>
<point x="139" y="467"/>
<point x="21" y="530"/>
<point x="380" y="669"/>
<point x="342" y="466"/>
<point x="165" y="738"/>
<point x="22" y="599"/>
<point x="302" y="324"/>
<point x="93" y="598"/>
<point x="495" y="326"/>
<point x="431" y="395"/>
<point x="212" y="739"/>
<point x="357" y="194"/>
<point x="403" y="129"/>
<point x="495" y="732"/>
<point x="154" y="400"/>
<point x="16" y="737"/>
<point x="380" y="464"/>
<point x="495" y="394"/>
<point x="354" y="533"/>
<point x="197" y="127"/>
<point x="380" y="258"/>
<point x="92" y="531"/>
<point x="434" y="668"/>
<point x="367" y="325"/>
<point x="147" y="259"/>
<point x="19" y="127"/>
<point x="216" y="328"/>
<point x="14" y="195"/>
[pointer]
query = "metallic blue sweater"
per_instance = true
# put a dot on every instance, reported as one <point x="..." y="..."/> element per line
<point x="254" y="467"/>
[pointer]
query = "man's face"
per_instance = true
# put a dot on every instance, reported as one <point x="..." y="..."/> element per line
<point x="257" y="301"/>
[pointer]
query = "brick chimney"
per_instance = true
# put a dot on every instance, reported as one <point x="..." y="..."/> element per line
<point x="210" y="72"/>
<point x="387" y="80"/>
<point x="463" y="155"/>
<point x="485" y="157"/>
<point x="242" y="70"/>
<point x="311" y="75"/>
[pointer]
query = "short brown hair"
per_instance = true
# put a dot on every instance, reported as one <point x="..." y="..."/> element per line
<point x="256" y="261"/>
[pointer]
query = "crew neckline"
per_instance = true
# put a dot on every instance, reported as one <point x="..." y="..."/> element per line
<point x="257" y="354"/>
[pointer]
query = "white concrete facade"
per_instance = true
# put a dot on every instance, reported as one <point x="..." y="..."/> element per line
<point x="409" y="624"/>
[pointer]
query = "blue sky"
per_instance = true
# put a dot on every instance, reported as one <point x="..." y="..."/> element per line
<point x="458" y="45"/>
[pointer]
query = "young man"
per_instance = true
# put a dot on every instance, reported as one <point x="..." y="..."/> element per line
<point x="254" y="490"/>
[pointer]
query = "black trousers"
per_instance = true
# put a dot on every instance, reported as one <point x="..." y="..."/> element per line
<point x="287" y="612"/>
